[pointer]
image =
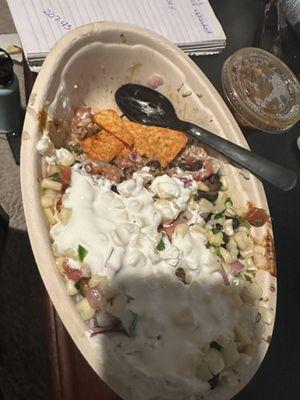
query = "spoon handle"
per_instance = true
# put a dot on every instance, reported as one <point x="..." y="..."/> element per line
<point x="271" y="172"/>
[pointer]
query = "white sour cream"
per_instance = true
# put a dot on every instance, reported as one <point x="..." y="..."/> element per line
<point x="120" y="232"/>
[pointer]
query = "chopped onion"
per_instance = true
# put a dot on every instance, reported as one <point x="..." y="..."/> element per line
<point x="224" y="275"/>
<point x="236" y="267"/>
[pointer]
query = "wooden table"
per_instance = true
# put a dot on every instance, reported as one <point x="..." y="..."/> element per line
<point x="71" y="376"/>
<point x="277" y="379"/>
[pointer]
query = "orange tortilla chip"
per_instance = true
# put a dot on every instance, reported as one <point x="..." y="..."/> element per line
<point x="141" y="139"/>
<point x="123" y="153"/>
<point x="111" y="122"/>
<point x="102" y="146"/>
<point x="160" y="144"/>
<point x="167" y="143"/>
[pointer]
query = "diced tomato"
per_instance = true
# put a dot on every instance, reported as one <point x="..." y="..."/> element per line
<point x="257" y="217"/>
<point x="197" y="176"/>
<point x="66" y="173"/>
<point x="59" y="199"/>
<point x="171" y="228"/>
<point x="73" y="274"/>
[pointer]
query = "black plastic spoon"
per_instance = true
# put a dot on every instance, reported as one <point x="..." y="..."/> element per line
<point x="149" y="107"/>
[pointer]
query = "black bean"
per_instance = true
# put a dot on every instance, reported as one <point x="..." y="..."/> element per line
<point x="180" y="273"/>
<point x="172" y="164"/>
<point x="235" y="222"/>
<point x="214" y="178"/>
<point x="114" y="189"/>
<point x="153" y="164"/>
<point x="196" y="165"/>
<point x="206" y="216"/>
<point x="213" y="183"/>
<point x="214" y="381"/>
<point x="210" y="196"/>
<point x="184" y="166"/>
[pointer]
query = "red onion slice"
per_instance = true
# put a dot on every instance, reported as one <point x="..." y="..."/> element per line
<point x="224" y="276"/>
<point x="186" y="181"/>
<point x="107" y="329"/>
<point x="236" y="267"/>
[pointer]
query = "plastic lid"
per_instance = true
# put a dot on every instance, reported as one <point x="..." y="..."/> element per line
<point x="262" y="90"/>
<point x="6" y="68"/>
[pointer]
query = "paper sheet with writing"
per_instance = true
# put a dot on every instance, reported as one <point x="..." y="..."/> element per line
<point x="40" y="23"/>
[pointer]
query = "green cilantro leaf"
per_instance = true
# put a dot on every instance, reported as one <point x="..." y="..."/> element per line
<point x="250" y="271"/>
<point x="248" y="278"/>
<point x="218" y="253"/>
<point x="82" y="252"/>
<point x="161" y="246"/>
<point x="55" y="177"/>
<point x="219" y="215"/>
<point x="244" y="223"/>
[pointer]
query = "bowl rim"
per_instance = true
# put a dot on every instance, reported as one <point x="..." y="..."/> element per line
<point x="30" y="187"/>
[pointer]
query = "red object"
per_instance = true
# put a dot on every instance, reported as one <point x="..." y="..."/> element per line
<point x="224" y="275"/>
<point x="257" y="217"/>
<point x="66" y="175"/>
<point x="73" y="274"/>
<point x="236" y="267"/>
<point x="170" y="229"/>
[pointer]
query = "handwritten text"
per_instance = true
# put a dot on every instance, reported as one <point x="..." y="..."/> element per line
<point x="57" y="18"/>
<point x="201" y="19"/>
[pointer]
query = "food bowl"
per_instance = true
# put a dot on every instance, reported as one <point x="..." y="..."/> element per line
<point x="86" y="67"/>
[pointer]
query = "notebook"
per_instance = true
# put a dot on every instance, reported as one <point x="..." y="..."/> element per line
<point x="191" y="24"/>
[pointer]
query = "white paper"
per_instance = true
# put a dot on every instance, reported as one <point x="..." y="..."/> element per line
<point x="40" y="23"/>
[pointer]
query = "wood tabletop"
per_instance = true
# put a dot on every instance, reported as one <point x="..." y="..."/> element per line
<point x="71" y="375"/>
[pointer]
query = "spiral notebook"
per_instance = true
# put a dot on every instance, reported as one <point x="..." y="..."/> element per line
<point x="191" y="24"/>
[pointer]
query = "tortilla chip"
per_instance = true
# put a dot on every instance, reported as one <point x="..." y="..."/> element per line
<point x="102" y="146"/>
<point x="141" y="139"/>
<point x="123" y="153"/>
<point x="111" y="122"/>
<point x="157" y="143"/>
<point x="167" y="144"/>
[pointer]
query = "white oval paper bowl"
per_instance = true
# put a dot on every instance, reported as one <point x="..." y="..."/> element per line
<point x="89" y="64"/>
